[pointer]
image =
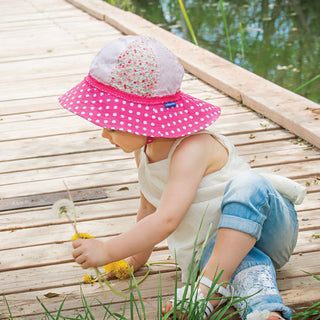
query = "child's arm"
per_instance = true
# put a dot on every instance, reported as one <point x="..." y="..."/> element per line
<point x="139" y="259"/>
<point x="189" y="164"/>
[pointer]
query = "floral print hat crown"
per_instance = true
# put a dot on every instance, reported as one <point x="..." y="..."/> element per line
<point x="134" y="85"/>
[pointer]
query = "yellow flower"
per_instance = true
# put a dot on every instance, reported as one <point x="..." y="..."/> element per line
<point x="121" y="269"/>
<point x="82" y="236"/>
<point x="88" y="279"/>
<point x="109" y="267"/>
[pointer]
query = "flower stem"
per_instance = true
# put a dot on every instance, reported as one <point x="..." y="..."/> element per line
<point x="100" y="276"/>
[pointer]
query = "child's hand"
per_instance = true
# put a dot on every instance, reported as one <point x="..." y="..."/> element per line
<point x="89" y="253"/>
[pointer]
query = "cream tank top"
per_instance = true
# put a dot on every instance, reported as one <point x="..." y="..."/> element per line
<point x="207" y="201"/>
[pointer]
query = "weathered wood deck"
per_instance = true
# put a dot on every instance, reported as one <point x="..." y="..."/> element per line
<point x="46" y="47"/>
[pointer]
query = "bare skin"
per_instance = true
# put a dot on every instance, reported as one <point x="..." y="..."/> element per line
<point x="205" y="155"/>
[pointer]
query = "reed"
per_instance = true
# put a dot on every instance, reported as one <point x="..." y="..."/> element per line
<point x="187" y="20"/>
<point x="225" y="28"/>
<point x="241" y="38"/>
<point x="307" y="83"/>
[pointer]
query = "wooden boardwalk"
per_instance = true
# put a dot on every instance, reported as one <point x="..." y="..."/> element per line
<point x="46" y="47"/>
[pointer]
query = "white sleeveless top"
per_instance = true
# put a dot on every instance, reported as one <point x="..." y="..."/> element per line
<point x="206" y="203"/>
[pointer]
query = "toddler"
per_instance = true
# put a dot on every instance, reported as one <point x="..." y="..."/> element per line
<point x="133" y="92"/>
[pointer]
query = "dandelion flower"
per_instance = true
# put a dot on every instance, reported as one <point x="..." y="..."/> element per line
<point x="109" y="267"/>
<point x="63" y="206"/>
<point x="121" y="269"/>
<point x="82" y="236"/>
<point x="89" y="279"/>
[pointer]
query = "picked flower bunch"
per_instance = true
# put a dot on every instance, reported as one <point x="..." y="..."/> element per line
<point x="119" y="269"/>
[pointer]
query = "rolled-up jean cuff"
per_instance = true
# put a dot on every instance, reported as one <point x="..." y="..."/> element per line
<point x="245" y="225"/>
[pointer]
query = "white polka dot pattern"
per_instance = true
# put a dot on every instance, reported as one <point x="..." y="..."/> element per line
<point x="114" y="109"/>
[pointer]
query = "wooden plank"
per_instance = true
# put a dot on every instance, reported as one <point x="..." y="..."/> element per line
<point x="128" y="175"/>
<point x="94" y="162"/>
<point x="299" y="264"/>
<point x="54" y="41"/>
<point x="52" y="161"/>
<point x="41" y="200"/>
<point x="311" y="202"/>
<point x="26" y="304"/>
<point x="62" y="233"/>
<point x="17" y="106"/>
<point x="27" y="116"/>
<point x="44" y="255"/>
<point x="32" y="248"/>
<point x="302" y="291"/>
<point x="147" y="287"/>
<point x="307" y="241"/>
<point x="35" y="153"/>
<point x="44" y="127"/>
<point x="65" y="171"/>
<point x="46" y="67"/>
<point x="37" y="148"/>
<point x="68" y="124"/>
<point x="66" y="274"/>
<point x="116" y="205"/>
<point x="263" y="155"/>
<point x="263" y="136"/>
<point x="55" y="146"/>
<point x="120" y="202"/>
<point x="118" y="178"/>
<point x="296" y="170"/>
<point x="309" y="219"/>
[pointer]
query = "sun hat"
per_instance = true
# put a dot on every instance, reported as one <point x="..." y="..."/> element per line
<point x="134" y="85"/>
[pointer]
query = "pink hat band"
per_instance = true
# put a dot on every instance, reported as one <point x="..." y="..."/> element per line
<point x="107" y="96"/>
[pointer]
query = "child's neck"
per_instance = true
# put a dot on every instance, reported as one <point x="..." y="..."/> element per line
<point x="159" y="149"/>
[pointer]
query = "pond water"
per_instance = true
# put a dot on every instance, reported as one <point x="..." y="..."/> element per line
<point x="280" y="38"/>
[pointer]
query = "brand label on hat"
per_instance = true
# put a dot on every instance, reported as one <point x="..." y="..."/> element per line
<point x="170" y="104"/>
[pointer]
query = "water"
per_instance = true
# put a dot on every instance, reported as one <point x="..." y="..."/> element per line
<point x="281" y="38"/>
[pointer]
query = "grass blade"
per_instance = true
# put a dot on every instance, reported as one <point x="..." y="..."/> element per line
<point x="225" y="28"/>
<point x="186" y="18"/>
<point x="139" y="294"/>
<point x="7" y="304"/>
<point x="307" y="83"/>
<point x="60" y="308"/>
<point x="46" y="310"/>
<point x="85" y="304"/>
<point x="241" y="38"/>
<point x="159" y="298"/>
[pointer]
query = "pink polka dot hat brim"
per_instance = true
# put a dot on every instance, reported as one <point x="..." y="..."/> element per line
<point x="169" y="117"/>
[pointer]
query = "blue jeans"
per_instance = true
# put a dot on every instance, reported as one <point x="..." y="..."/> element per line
<point x="252" y="205"/>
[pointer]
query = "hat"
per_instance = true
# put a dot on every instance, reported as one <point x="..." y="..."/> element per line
<point x="134" y="85"/>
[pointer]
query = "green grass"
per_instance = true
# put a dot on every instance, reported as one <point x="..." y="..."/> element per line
<point x="136" y="303"/>
<point x="187" y="20"/>
<point x="225" y="28"/>
<point x="194" y="309"/>
<point x="307" y="83"/>
<point x="312" y="312"/>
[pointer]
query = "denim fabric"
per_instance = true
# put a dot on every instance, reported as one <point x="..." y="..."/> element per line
<point x="253" y="206"/>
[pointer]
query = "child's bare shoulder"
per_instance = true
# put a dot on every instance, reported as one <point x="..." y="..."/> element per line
<point x="206" y="149"/>
<point x="199" y="142"/>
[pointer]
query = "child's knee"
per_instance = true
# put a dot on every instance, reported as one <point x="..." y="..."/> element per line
<point x="246" y="185"/>
<point x="245" y="204"/>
